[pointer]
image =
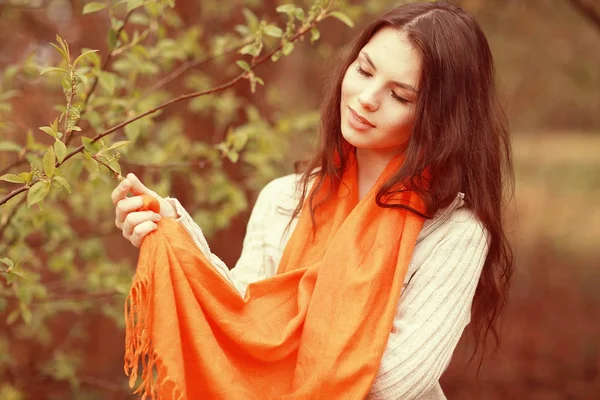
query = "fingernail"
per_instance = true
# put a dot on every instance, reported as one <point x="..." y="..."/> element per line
<point x="157" y="217"/>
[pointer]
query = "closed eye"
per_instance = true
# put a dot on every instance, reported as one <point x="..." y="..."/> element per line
<point x="394" y="95"/>
<point x="362" y="71"/>
<point x="400" y="99"/>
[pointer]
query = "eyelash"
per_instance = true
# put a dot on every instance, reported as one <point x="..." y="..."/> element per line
<point x="394" y="95"/>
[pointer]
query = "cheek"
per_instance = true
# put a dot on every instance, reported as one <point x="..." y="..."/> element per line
<point x="349" y="85"/>
<point x="399" y="123"/>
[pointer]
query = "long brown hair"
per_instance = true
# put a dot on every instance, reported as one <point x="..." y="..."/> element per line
<point x="460" y="135"/>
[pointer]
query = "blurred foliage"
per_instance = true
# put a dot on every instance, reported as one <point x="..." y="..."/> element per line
<point x="57" y="221"/>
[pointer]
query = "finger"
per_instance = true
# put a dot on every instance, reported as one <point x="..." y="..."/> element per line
<point x="124" y="207"/>
<point x="135" y="218"/>
<point x="120" y="192"/>
<point x="141" y="231"/>
<point x="137" y="187"/>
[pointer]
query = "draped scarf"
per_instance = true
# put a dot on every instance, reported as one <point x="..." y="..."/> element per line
<point x="315" y="330"/>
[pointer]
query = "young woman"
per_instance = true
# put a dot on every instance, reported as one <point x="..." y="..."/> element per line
<point x="414" y="158"/>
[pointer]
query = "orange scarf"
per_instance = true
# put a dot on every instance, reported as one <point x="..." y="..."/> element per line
<point x="316" y="330"/>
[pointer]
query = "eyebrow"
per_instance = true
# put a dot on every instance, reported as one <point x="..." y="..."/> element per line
<point x="400" y="84"/>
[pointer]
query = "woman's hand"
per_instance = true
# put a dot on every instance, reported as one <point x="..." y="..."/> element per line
<point x="137" y="224"/>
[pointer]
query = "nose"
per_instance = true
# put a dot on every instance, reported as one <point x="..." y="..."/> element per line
<point x="368" y="100"/>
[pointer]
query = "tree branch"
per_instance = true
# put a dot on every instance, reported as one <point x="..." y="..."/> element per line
<point x="244" y="75"/>
<point x="6" y="220"/>
<point x="201" y="164"/>
<point x="187" y="66"/>
<point x="20" y="160"/>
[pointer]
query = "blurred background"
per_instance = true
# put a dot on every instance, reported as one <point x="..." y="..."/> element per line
<point x="68" y="269"/>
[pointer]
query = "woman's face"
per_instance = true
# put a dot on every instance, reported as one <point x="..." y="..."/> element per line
<point x="379" y="92"/>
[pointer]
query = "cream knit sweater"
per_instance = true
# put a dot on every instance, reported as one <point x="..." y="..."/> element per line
<point x="435" y="304"/>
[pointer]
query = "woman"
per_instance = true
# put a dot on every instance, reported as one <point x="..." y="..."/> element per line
<point x="411" y="125"/>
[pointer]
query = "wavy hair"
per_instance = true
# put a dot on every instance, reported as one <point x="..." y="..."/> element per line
<point x="460" y="136"/>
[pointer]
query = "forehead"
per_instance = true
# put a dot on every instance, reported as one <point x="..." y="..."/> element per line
<point x="394" y="56"/>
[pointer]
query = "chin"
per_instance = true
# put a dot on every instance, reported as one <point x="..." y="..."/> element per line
<point x="356" y="139"/>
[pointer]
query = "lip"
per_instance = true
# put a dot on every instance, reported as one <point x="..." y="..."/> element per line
<point x="360" y="117"/>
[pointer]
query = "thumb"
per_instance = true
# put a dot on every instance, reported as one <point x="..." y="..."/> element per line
<point x="137" y="187"/>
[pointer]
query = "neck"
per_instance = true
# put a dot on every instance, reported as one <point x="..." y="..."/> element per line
<point x="371" y="164"/>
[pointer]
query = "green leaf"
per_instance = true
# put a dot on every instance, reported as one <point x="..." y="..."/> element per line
<point x="64" y="46"/>
<point x="12" y="178"/>
<point x="287" y="48"/>
<point x="49" y="130"/>
<point x="276" y="56"/>
<point x="273" y="31"/>
<point x="242" y="30"/>
<point x="5" y="145"/>
<point x="82" y="56"/>
<point x="30" y="144"/>
<point x="60" y="149"/>
<point x="25" y="313"/>
<point x="314" y="35"/>
<point x="251" y="19"/>
<point x="108" y="81"/>
<point x="63" y="182"/>
<point x="93" y="7"/>
<point x="116" y="24"/>
<point x="54" y="69"/>
<point x="26" y="176"/>
<point x="239" y="140"/>
<point x="14" y="314"/>
<point x="133" y="4"/>
<point x="286" y="8"/>
<point x="243" y="65"/>
<point x="114" y="164"/>
<point x="134" y="129"/>
<point x="37" y="193"/>
<point x="118" y="144"/>
<point x="112" y="39"/>
<point x="299" y="14"/>
<point x="20" y="275"/>
<point x="233" y="156"/>
<point x="92" y="147"/>
<point x="343" y="17"/>
<point x="8" y="262"/>
<point x="49" y="160"/>
<point x="250" y="49"/>
<point x="61" y="51"/>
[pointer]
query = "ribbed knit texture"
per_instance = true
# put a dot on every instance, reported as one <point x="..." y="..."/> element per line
<point x="434" y="307"/>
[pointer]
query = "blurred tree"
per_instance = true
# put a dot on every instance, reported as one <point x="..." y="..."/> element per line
<point x="60" y="264"/>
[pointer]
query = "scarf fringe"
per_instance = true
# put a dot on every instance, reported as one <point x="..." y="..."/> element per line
<point x="138" y="344"/>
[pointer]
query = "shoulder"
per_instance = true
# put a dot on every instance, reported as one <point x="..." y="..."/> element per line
<point x="283" y="192"/>
<point x="457" y="224"/>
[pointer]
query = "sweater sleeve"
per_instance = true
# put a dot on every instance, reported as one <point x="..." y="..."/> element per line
<point x="434" y="308"/>
<point x="251" y="264"/>
<point x="185" y="219"/>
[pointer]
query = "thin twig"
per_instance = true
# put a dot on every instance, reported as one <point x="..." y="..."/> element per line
<point x="20" y="160"/>
<point x="9" y="217"/>
<point x="104" y="66"/>
<point x="174" y="165"/>
<point x="187" y="66"/>
<point x="102" y="384"/>
<point x="78" y="297"/>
